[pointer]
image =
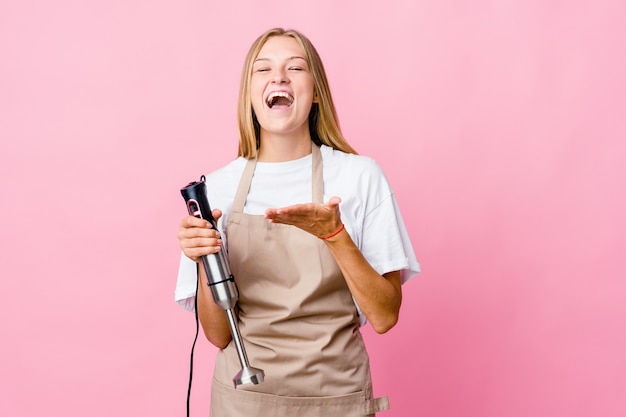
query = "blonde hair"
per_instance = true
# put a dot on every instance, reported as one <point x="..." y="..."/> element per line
<point x="323" y="121"/>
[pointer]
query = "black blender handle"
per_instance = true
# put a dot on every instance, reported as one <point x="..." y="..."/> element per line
<point x="195" y="196"/>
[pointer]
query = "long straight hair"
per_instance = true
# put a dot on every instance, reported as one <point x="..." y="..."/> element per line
<point x="323" y="121"/>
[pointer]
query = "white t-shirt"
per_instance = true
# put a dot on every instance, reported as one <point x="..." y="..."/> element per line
<point x="368" y="208"/>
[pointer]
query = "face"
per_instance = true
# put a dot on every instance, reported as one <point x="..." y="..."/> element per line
<point x="282" y="88"/>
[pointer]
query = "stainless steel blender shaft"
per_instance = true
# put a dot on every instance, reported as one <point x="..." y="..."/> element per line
<point x="222" y="284"/>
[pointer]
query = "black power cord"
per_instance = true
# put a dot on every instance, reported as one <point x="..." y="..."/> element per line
<point x="193" y="346"/>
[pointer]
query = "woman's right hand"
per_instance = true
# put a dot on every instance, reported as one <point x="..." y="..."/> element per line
<point x="197" y="237"/>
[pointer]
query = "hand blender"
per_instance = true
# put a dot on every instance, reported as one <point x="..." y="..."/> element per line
<point x="220" y="280"/>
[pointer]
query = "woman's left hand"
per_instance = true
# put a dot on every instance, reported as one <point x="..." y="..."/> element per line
<point x="378" y="296"/>
<point x="318" y="219"/>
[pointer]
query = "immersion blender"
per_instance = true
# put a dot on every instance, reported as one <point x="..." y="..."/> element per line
<point x="220" y="280"/>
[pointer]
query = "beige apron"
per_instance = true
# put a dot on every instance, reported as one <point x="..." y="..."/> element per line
<point x="297" y="319"/>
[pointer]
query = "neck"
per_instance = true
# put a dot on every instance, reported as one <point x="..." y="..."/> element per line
<point x="278" y="148"/>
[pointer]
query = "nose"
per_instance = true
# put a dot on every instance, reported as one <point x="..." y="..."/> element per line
<point x="280" y="77"/>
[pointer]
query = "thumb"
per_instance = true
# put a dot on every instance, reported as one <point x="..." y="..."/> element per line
<point x="334" y="201"/>
<point x="217" y="213"/>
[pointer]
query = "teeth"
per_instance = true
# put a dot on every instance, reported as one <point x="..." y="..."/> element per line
<point x="271" y="99"/>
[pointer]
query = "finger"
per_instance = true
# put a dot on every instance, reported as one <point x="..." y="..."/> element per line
<point x="334" y="201"/>
<point x="195" y="253"/>
<point x="298" y="210"/>
<point x="192" y="221"/>
<point x="201" y="243"/>
<point x="270" y="213"/>
<point x="194" y="248"/>
<point x="198" y="233"/>
<point x="217" y="213"/>
<point x="195" y="232"/>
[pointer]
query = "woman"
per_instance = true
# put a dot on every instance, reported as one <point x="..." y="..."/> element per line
<point x="309" y="272"/>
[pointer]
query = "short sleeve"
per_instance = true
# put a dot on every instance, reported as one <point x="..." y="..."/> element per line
<point x="186" y="284"/>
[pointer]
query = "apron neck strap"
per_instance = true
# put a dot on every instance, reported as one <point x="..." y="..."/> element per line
<point x="317" y="175"/>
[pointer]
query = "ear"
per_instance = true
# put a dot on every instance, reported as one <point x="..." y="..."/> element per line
<point x="315" y="98"/>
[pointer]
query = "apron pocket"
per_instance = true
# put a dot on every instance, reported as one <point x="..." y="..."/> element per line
<point x="229" y="402"/>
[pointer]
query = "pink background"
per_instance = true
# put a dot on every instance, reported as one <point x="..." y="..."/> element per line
<point x="501" y="126"/>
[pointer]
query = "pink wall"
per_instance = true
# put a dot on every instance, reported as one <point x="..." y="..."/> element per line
<point x="500" y="124"/>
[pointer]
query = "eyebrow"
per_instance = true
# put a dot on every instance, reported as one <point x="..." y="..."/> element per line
<point x="288" y="59"/>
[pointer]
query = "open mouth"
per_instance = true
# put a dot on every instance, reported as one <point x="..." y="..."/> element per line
<point x="279" y="99"/>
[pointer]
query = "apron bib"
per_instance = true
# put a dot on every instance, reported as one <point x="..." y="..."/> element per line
<point x="297" y="320"/>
